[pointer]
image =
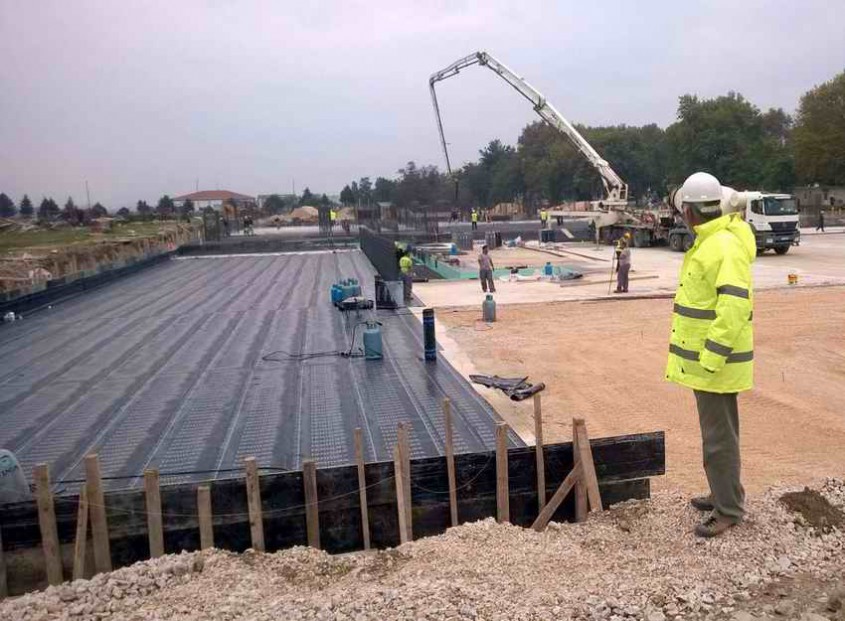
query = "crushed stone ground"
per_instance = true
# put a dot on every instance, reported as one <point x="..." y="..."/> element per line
<point x="637" y="560"/>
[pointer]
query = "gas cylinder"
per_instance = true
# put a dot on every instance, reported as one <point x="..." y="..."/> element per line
<point x="372" y="341"/>
<point x="488" y="308"/>
<point x="547" y="269"/>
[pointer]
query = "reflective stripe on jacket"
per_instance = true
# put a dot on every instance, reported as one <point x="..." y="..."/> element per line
<point x="712" y="342"/>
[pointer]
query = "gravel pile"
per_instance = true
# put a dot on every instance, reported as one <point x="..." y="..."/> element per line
<point x="638" y="560"/>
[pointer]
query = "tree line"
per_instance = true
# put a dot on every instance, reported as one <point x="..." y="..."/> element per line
<point x="727" y="136"/>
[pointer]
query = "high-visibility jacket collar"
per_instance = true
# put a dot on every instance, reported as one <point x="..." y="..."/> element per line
<point x="703" y="231"/>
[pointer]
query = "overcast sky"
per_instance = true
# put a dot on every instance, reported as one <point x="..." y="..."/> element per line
<point x="144" y="98"/>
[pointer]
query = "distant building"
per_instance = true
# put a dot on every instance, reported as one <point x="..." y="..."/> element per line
<point x="811" y="198"/>
<point x="215" y="199"/>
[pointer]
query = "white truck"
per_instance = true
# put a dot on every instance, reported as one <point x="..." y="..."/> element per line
<point x="772" y="217"/>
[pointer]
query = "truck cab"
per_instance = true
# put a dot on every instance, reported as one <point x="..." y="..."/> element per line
<point x="774" y="220"/>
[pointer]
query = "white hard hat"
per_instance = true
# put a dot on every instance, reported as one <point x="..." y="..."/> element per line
<point x="701" y="187"/>
<point x="704" y="191"/>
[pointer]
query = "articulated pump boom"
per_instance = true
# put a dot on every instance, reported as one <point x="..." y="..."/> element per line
<point x="616" y="190"/>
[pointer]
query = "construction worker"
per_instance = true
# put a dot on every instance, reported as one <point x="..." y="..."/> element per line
<point x="485" y="270"/>
<point x="474" y="218"/>
<point x="332" y="217"/>
<point x="406" y="264"/>
<point x="623" y="263"/>
<point x="712" y="345"/>
<point x="544" y="218"/>
<point x="820" y="224"/>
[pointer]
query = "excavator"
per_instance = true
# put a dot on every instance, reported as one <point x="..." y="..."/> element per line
<point x="612" y="216"/>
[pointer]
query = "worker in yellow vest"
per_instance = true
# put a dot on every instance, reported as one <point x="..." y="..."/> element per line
<point x="332" y="217"/>
<point x="474" y="218"/>
<point x="544" y="218"/>
<point x="711" y="348"/>
<point x="406" y="264"/>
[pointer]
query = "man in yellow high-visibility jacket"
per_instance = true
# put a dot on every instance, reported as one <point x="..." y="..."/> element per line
<point x="406" y="265"/>
<point x="712" y="345"/>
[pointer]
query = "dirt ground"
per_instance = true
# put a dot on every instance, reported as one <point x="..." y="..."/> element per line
<point x="604" y="361"/>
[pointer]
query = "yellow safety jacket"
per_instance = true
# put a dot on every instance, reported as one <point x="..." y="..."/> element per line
<point x="712" y="342"/>
<point x="405" y="264"/>
<point x="474" y="216"/>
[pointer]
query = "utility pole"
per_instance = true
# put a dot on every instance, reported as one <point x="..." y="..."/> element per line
<point x="88" y="194"/>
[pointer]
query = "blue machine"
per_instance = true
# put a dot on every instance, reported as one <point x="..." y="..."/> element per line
<point x="372" y="341"/>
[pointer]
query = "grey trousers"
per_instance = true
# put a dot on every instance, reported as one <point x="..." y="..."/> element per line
<point x="622" y="277"/>
<point x="718" y="415"/>
<point x="407" y="286"/>
<point x="486" y="277"/>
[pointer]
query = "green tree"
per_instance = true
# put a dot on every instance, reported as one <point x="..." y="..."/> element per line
<point x="48" y="210"/>
<point x="26" y="208"/>
<point x="365" y="190"/>
<point x="384" y="189"/>
<point x="723" y="136"/>
<point x="307" y="198"/>
<point x="144" y="210"/>
<point x="187" y="209"/>
<point x="70" y="213"/>
<point x="818" y="140"/>
<point x="98" y="211"/>
<point x="124" y="212"/>
<point x="165" y="207"/>
<point x="346" y="196"/>
<point x="7" y="206"/>
<point x="274" y="204"/>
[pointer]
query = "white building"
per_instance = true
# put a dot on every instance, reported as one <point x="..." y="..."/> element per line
<point x="215" y="199"/>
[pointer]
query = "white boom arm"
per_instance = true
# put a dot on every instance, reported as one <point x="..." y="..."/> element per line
<point x="616" y="190"/>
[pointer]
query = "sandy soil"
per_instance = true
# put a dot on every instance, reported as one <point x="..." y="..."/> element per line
<point x="604" y="361"/>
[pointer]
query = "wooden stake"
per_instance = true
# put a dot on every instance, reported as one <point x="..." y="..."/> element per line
<point x="405" y="454"/>
<point x="47" y="523"/>
<point x="97" y="508"/>
<point x="362" y="487"/>
<point x="312" y="507"/>
<point x="152" y="495"/>
<point x="80" y="546"/>
<point x="4" y="589"/>
<point x="450" y="462"/>
<point x="580" y="487"/>
<point x="401" y="500"/>
<point x="253" y="495"/>
<point x="585" y="455"/>
<point x="503" y="513"/>
<point x="554" y="502"/>
<point x="204" y="516"/>
<point x="538" y="449"/>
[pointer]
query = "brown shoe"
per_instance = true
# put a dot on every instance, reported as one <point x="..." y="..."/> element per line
<point x="702" y="503"/>
<point x="713" y="525"/>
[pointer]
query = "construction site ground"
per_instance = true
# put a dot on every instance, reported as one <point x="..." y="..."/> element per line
<point x="819" y="260"/>
<point x="603" y="358"/>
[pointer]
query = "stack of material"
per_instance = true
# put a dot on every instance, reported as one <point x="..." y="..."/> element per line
<point x="306" y="213"/>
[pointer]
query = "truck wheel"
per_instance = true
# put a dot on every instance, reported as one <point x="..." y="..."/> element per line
<point x="687" y="242"/>
<point x="781" y="249"/>
<point x="676" y="243"/>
